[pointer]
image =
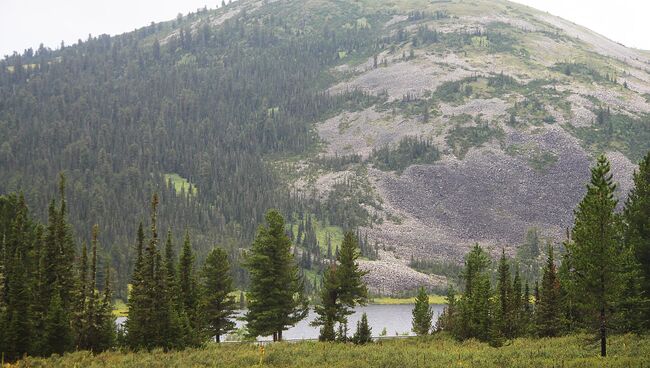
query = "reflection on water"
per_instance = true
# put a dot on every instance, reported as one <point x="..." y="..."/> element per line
<point x="396" y="319"/>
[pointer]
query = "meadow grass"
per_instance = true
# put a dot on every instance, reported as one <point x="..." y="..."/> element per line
<point x="430" y="351"/>
<point x="433" y="299"/>
<point x="180" y="183"/>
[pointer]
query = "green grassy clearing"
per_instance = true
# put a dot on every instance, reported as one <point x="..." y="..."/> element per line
<point x="431" y="351"/>
<point x="433" y="299"/>
<point x="180" y="183"/>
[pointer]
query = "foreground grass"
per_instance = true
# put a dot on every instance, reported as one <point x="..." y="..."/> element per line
<point x="436" y="351"/>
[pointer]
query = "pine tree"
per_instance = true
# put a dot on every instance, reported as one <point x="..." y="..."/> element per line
<point x="595" y="251"/>
<point x="57" y="334"/>
<point x="190" y="326"/>
<point x="447" y="319"/>
<point x="505" y="313"/>
<point x="517" y="305"/>
<point x="187" y="279"/>
<point x="170" y="268"/>
<point x="329" y="309"/>
<point x="106" y="322"/>
<point x="422" y="314"/>
<point x="637" y="238"/>
<point x="528" y="311"/>
<point x="218" y="305"/>
<point x="275" y="299"/>
<point x="548" y="312"/>
<point x="474" y="318"/>
<point x="153" y="320"/>
<point x="352" y="289"/>
<point x="18" y="317"/>
<point x="363" y="334"/>
<point x="136" y="324"/>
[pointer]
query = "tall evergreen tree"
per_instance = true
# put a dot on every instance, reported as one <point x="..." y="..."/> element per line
<point x="217" y="303"/>
<point x="57" y="334"/>
<point x="352" y="290"/>
<point x="447" y="319"/>
<point x="595" y="251"/>
<point x="187" y="279"/>
<point x="517" y="304"/>
<point x="505" y="313"/>
<point x="548" y="308"/>
<point x="637" y="237"/>
<point x="422" y="314"/>
<point x="275" y="299"/>
<point x="136" y="324"/>
<point x="329" y="309"/>
<point x="474" y="319"/>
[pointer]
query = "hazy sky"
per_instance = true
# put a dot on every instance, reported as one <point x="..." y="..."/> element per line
<point x="27" y="23"/>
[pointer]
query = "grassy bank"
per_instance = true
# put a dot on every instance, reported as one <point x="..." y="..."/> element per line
<point x="436" y="351"/>
<point x="433" y="299"/>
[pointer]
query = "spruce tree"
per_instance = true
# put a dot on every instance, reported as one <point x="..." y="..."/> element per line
<point x="549" y="312"/>
<point x="352" y="289"/>
<point x="517" y="304"/>
<point x="637" y="238"/>
<point x="363" y="334"/>
<point x="422" y="314"/>
<point x="275" y="299"/>
<point x="329" y="309"/>
<point x="187" y="279"/>
<point x="135" y="326"/>
<point x="447" y="319"/>
<point x="474" y="315"/>
<point x="217" y="304"/>
<point x="18" y="322"/>
<point x="57" y="334"/>
<point x="505" y="313"/>
<point x="595" y="251"/>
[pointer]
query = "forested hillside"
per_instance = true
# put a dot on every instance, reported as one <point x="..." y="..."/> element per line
<point x="119" y="115"/>
<point x="422" y="126"/>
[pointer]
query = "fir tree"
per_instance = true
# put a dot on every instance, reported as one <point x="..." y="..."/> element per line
<point x="329" y="309"/>
<point x="474" y="319"/>
<point x="352" y="289"/>
<point x="548" y="308"/>
<point x="517" y="304"/>
<point x="275" y="299"/>
<point x="505" y="313"/>
<point x="218" y="305"/>
<point x="57" y="335"/>
<point x="422" y="314"/>
<point x="637" y="238"/>
<point x="595" y="251"/>
<point x="447" y="319"/>
<point x="363" y="334"/>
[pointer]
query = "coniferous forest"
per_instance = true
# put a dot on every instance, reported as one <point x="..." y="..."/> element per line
<point x="148" y="170"/>
<point x="51" y="300"/>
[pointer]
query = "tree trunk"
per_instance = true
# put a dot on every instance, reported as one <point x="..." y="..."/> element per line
<point x="275" y="336"/>
<point x="280" y="335"/>
<point x="218" y="338"/>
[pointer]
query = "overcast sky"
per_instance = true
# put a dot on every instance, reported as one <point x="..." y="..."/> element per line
<point x="27" y="23"/>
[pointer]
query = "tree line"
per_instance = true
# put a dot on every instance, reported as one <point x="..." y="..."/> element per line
<point x="602" y="283"/>
<point x="51" y="300"/>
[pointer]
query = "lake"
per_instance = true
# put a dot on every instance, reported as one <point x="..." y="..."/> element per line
<point x="396" y="319"/>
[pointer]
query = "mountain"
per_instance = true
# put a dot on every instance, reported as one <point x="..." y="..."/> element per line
<point x="425" y="126"/>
